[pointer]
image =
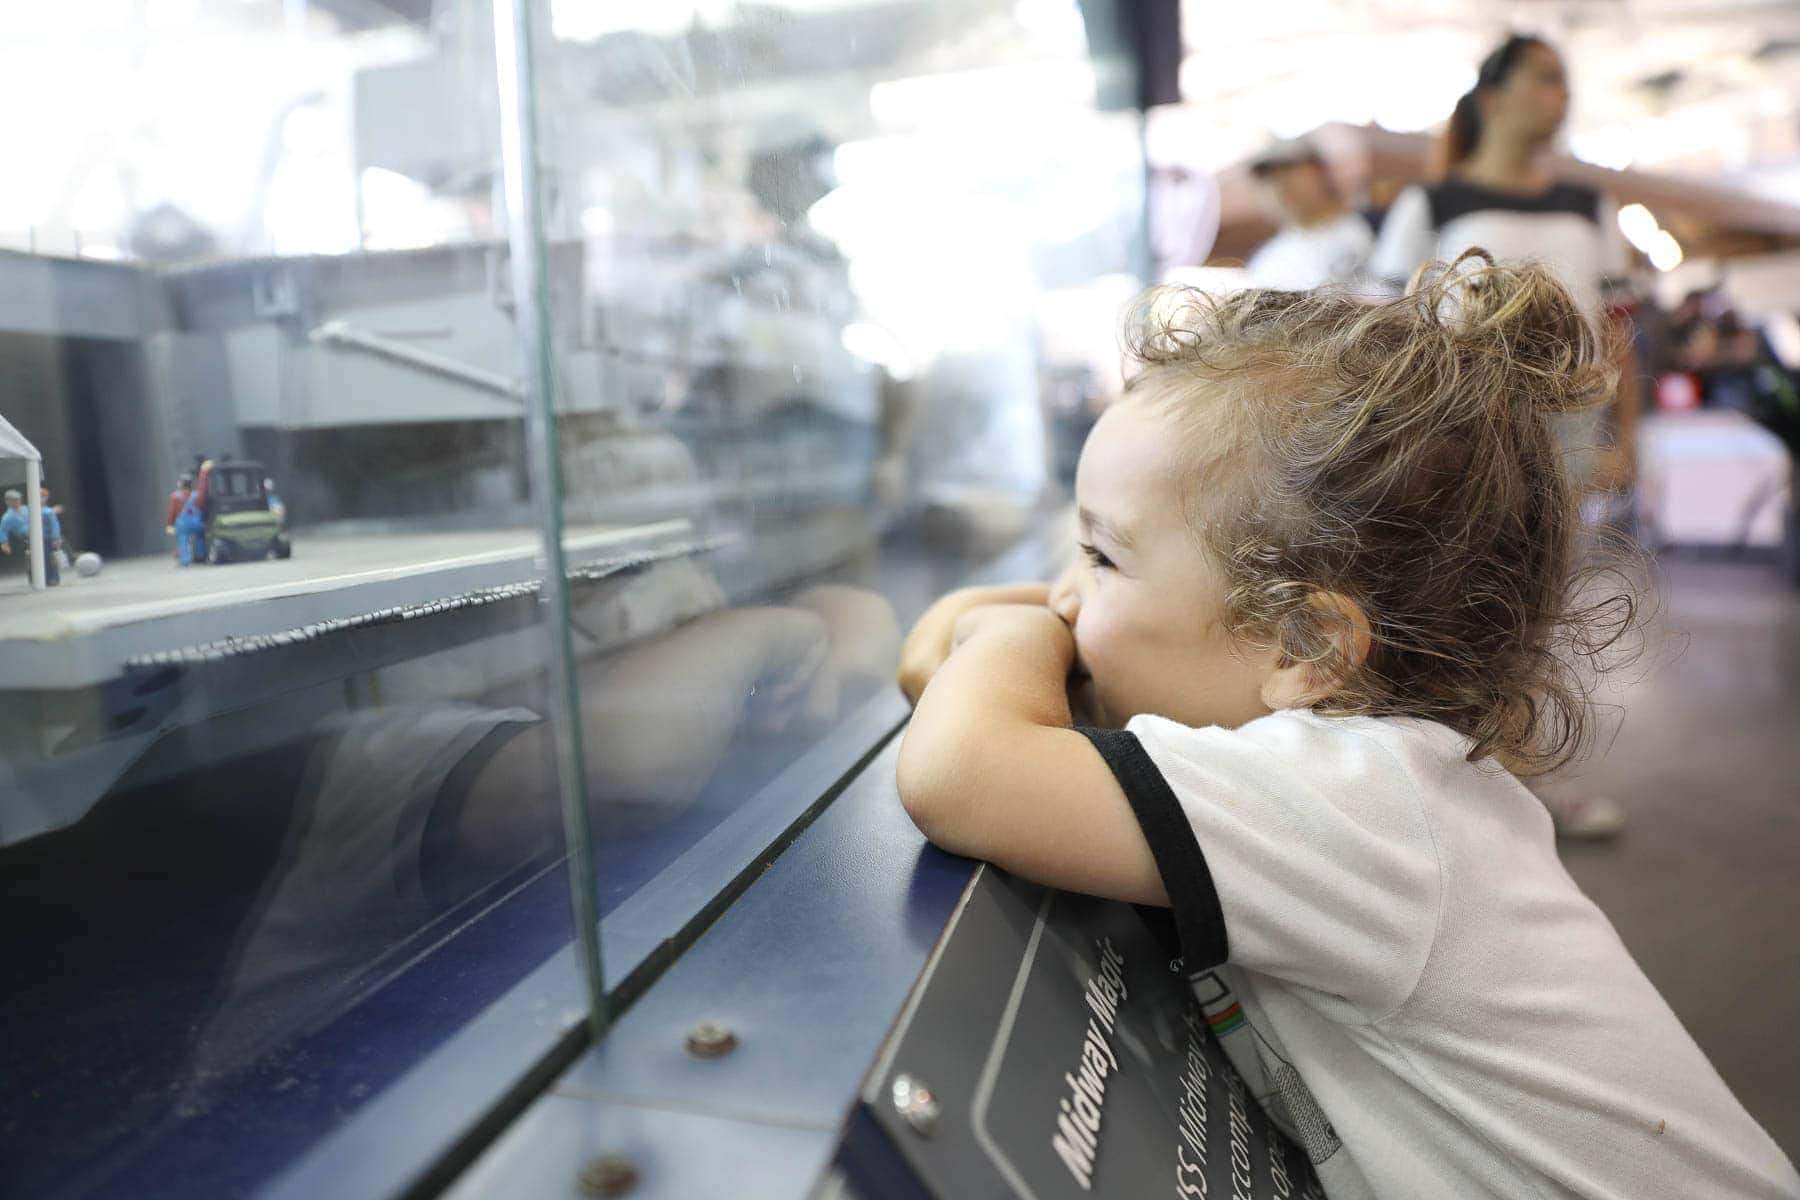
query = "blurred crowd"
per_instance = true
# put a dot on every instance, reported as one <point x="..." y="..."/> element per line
<point x="1498" y="187"/>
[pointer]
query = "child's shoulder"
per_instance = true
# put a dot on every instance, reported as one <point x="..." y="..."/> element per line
<point x="1299" y="731"/>
<point x="1376" y="759"/>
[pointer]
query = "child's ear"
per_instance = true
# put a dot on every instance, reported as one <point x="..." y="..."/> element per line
<point x="1341" y="622"/>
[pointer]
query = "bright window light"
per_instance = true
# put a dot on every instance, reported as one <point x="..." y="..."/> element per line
<point x="874" y="344"/>
<point x="1017" y="89"/>
<point x="597" y="221"/>
<point x="1610" y="147"/>
<point x="1415" y="96"/>
<point x="167" y="14"/>
<point x="1665" y="251"/>
<point x="400" y="213"/>
<point x="1053" y="24"/>
<point x="1639" y="226"/>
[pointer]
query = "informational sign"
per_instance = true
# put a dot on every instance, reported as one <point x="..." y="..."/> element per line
<point x="1051" y="1052"/>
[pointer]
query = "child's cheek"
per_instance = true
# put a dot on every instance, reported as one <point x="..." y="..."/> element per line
<point x="1096" y="639"/>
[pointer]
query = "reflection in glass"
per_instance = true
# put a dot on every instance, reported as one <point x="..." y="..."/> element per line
<point x="851" y="292"/>
<point x="830" y="289"/>
<point x="274" y="384"/>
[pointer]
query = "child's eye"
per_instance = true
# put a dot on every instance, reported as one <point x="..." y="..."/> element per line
<point x="1096" y="557"/>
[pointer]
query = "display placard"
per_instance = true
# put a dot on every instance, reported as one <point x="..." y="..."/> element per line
<point x="1050" y="1051"/>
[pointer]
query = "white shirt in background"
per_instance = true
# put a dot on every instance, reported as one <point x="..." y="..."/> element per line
<point x="1310" y="256"/>
<point x="1569" y="227"/>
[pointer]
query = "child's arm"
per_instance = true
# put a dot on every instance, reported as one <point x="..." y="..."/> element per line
<point x="929" y="643"/>
<point x="991" y="768"/>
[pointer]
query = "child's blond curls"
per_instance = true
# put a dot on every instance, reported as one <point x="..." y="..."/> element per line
<point x="1401" y="455"/>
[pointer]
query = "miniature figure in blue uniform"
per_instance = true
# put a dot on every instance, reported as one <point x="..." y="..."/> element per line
<point x="16" y="523"/>
<point x="184" y="487"/>
<point x="188" y="527"/>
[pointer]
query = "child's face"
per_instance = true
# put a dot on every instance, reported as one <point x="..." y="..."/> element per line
<point x="1144" y="602"/>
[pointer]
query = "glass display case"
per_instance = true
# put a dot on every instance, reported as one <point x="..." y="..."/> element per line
<point x="495" y="449"/>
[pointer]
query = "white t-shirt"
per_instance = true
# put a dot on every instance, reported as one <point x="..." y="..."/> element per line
<point x="1301" y="257"/>
<point x="1389" y="950"/>
<point x="1571" y="228"/>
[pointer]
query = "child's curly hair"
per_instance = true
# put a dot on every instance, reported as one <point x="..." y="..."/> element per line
<point x="1400" y="455"/>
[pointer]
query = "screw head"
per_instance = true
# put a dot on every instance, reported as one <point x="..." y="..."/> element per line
<point x="710" y="1039"/>
<point x="608" y="1175"/>
<point x="917" y="1104"/>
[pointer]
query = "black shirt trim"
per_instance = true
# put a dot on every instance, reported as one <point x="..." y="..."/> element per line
<point x="1458" y="198"/>
<point x="1198" y="918"/>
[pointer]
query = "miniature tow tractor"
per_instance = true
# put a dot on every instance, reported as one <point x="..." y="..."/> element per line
<point x="239" y="522"/>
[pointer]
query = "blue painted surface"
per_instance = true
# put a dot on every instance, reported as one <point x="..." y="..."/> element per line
<point x="809" y="968"/>
<point x="678" y="1155"/>
<point x="226" y="1140"/>
<point x="371" y="1099"/>
<point x="383" y="1150"/>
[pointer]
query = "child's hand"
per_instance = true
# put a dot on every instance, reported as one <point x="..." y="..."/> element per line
<point x="1033" y="624"/>
<point x="932" y="639"/>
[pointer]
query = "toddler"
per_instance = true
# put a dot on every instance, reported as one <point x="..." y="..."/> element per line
<point x="1326" y="590"/>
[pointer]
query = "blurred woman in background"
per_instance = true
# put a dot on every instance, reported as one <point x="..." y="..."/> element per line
<point x="1499" y="191"/>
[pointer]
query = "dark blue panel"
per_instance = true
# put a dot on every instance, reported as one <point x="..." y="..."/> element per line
<point x="678" y="1155"/>
<point x="391" y="1140"/>
<point x="809" y="969"/>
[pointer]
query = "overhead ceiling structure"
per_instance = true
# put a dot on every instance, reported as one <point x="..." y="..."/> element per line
<point x="1668" y="91"/>
<point x="1676" y="85"/>
<point x="1690" y="108"/>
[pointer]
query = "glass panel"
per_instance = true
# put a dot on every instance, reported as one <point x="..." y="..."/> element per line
<point x="849" y="279"/>
<point x="251" y="885"/>
<point x="830" y="293"/>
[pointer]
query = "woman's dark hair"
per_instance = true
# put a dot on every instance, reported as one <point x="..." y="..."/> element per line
<point x="1464" y="131"/>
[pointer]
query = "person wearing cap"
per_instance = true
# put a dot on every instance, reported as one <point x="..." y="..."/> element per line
<point x="1502" y="193"/>
<point x="16" y="523"/>
<point x="1322" y="240"/>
